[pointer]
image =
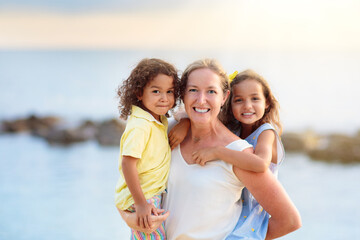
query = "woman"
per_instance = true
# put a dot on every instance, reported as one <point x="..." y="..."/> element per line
<point x="203" y="201"/>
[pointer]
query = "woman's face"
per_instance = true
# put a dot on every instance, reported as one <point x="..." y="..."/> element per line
<point x="203" y="96"/>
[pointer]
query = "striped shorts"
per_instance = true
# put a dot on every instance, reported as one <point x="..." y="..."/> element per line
<point x="158" y="234"/>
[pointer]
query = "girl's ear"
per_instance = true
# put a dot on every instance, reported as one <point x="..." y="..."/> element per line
<point x="267" y="105"/>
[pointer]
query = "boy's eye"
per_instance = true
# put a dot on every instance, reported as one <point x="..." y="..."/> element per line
<point x="156" y="91"/>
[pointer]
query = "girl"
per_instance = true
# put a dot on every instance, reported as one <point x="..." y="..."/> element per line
<point x="147" y="96"/>
<point x="250" y="112"/>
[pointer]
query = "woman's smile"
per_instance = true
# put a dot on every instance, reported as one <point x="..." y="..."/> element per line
<point x="201" y="110"/>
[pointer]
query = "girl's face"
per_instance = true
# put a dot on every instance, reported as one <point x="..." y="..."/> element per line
<point x="248" y="103"/>
<point x="203" y="96"/>
<point x="158" y="95"/>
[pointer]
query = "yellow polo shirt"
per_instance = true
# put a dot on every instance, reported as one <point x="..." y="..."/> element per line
<point x="144" y="138"/>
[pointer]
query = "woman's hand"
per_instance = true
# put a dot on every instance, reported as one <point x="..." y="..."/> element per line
<point x="179" y="132"/>
<point x="155" y="221"/>
<point x="143" y="213"/>
<point x="205" y="155"/>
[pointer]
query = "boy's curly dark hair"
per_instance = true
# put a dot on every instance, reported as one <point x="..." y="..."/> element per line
<point x="145" y="71"/>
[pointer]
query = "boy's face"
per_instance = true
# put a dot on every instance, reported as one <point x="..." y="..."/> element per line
<point x="158" y="95"/>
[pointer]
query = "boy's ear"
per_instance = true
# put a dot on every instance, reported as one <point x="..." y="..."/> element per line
<point x="139" y="96"/>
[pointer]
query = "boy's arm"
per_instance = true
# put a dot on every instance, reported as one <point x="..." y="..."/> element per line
<point x="178" y="133"/>
<point x="143" y="209"/>
<point x="245" y="159"/>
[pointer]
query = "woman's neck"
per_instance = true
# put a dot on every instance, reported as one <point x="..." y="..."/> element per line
<point x="201" y="133"/>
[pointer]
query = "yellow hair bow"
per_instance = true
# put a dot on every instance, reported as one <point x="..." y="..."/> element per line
<point x="232" y="76"/>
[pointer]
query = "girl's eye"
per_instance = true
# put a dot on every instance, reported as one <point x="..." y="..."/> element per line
<point x="192" y="90"/>
<point x="255" y="98"/>
<point x="238" y="100"/>
<point x="170" y="91"/>
<point x="212" y="91"/>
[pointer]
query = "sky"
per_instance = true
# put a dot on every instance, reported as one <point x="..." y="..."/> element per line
<point x="173" y="24"/>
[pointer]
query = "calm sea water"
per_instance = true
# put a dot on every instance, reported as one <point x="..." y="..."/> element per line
<point x="52" y="192"/>
<point x="317" y="90"/>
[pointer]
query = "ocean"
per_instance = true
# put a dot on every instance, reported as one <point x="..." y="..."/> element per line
<point x="56" y="192"/>
<point x="316" y="90"/>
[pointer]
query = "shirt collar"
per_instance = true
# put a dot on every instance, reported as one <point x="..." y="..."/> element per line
<point x="141" y="113"/>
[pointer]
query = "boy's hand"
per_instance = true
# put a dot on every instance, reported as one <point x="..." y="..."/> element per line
<point x="205" y="155"/>
<point x="143" y="213"/>
<point x="178" y="133"/>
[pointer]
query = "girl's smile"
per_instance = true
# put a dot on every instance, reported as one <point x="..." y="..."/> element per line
<point x="248" y="103"/>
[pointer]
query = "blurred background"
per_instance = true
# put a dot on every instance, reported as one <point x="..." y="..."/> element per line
<point x="67" y="58"/>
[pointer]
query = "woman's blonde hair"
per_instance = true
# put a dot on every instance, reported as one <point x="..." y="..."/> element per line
<point x="271" y="114"/>
<point x="211" y="64"/>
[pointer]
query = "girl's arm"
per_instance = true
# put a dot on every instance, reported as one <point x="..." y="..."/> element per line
<point x="245" y="159"/>
<point x="285" y="218"/>
<point x="178" y="133"/>
<point x="143" y="209"/>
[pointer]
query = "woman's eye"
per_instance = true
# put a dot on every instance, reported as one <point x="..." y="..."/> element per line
<point x="238" y="100"/>
<point x="212" y="91"/>
<point x="192" y="90"/>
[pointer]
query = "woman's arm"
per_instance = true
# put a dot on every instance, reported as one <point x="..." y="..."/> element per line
<point x="285" y="218"/>
<point x="155" y="221"/>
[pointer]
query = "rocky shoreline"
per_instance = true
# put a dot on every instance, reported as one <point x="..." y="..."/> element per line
<point x="55" y="130"/>
<point x="330" y="148"/>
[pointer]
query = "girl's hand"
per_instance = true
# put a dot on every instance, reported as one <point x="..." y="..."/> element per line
<point x="178" y="133"/>
<point x="205" y="155"/>
<point x="143" y="213"/>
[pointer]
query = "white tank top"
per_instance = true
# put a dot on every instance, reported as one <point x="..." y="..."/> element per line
<point x="203" y="201"/>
